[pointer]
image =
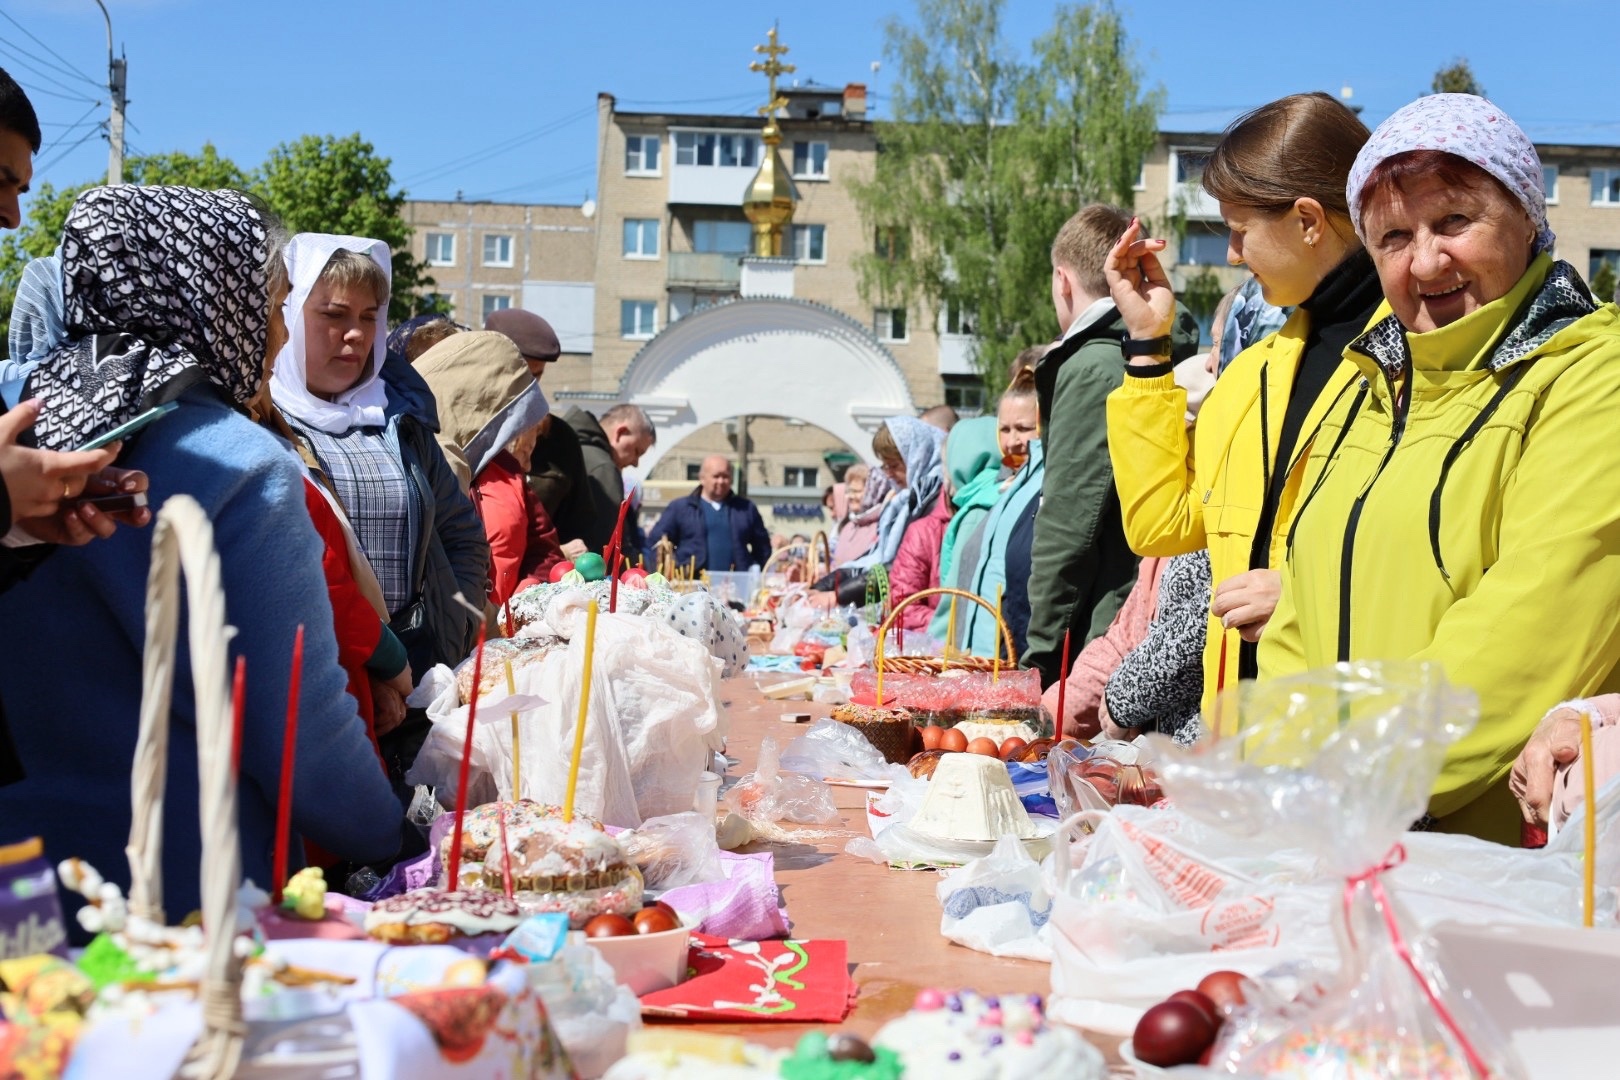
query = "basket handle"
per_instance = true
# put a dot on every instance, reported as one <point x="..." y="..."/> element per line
<point x="883" y="630"/>
<point x="183" y="541"/>
<point x="825" y="564"/>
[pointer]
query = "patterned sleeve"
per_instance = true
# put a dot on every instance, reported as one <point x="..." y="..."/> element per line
<point x="1160" y="682"/>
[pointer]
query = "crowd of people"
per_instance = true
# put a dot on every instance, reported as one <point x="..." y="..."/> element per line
<point x="1393" y="450"/>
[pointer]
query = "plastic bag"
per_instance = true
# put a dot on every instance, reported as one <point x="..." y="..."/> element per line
<point x="1339" y="763"/>
<point x="1107" y="774"/>
<point x="831" y="750"/>
<point x="675" y="850"/>
<point x="654" y="718"/>
<point x="591" y="1013"/>
<point x="768" y="794"/>
<point x="999" y="904"/>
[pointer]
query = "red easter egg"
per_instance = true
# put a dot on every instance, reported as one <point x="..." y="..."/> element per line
<point x="559" y="570"/>
<point x="1172" y="1033"/>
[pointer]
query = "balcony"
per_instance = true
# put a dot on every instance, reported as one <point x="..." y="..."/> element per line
<point x="692" y="269"/>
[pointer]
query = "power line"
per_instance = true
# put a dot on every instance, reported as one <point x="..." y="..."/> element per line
<point x="497" y="149"/>
<point x="67" y="67"/>
<point x="92" y="133"/>
<point x="42" y="73"/>
<point x="83" y="118"/>
<point x="552" y="180"/>
<point x="32" y="90"/>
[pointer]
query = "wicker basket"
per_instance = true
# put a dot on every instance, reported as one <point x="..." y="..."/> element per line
<point x="893" y="738"/>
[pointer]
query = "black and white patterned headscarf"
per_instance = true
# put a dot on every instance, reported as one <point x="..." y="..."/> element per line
<point x="164" y="287"/>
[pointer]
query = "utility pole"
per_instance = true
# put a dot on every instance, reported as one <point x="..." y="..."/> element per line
<point x="117" y="69"/>
<point x="742" y="455"/>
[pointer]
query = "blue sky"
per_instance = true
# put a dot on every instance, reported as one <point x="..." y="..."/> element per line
<point x="497" y="99"/>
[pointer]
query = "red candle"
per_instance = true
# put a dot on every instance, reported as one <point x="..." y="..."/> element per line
<point x="508" y="616"/>
<point x="615" y="549"/>
<point x="238" y="703"/>
<point x="1063" y="681"/>
<point x="1220" y="687"/>
<point x="289" y="748"/>
<point x="506" y="855"/>
<point x="466" y="764"/>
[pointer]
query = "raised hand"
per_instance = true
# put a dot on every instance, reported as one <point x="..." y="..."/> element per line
<point x="1139" y="287"/>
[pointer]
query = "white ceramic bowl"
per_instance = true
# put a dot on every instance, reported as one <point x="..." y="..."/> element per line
<point x="644" y="962"/>
<point x="1142" y="1069"/>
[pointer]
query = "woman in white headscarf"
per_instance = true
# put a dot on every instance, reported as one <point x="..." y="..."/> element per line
<point x="370" y="428"/>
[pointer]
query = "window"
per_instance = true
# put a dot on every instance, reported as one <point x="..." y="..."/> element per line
<point x="810" y="160"/>
<point x="798" y="476"/>
<point x="441" y="249"/>
<point x="641" y="155"/>
<point x="1190" y="165"/>
<point x="1606" y="187"/>
<point x="497" y="249"/>
<point x="694" y="470"/>
<point x="965" y="394"/>
<point x="1549" y="180"/>
<point x="890" y="324"/>
<point x="641" y="238"/>
<point x="722" y="237"/>
<point x="443" y="303"/>
<point x="810" y="243"/>
<point x="1204" y="244"/>
<point x="716" y="148"/>
<point x="1141" y="177"/>
<point x="638" y="318"/>
<point x="958" y="321"/>
<point x="892" y="244"/>
<point x="494" y="302"/>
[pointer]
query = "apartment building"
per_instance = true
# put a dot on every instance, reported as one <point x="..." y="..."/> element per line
<point x="484" y="256"/>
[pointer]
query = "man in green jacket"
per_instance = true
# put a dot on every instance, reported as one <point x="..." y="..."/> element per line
<point x="1081" y="568"/>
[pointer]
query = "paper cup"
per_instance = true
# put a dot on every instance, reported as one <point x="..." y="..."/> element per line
<point x="707" y="799"/>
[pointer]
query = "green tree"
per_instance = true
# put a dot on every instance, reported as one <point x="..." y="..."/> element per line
<point x="1202" y="294"/>
<point x="988" y="153"/>
<point x="1604" y="281"/>
<point x="322" y="183"/>
<point x="1456" y="78"/>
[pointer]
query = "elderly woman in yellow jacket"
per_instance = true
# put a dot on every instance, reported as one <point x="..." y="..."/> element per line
<point x="1278" y="174"/>
<point x="1464" y="508"/>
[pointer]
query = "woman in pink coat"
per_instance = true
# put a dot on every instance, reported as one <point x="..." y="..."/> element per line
<point x="916" y="564"/>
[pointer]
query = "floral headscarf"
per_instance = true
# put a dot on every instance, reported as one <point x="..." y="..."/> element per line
<point x="163" y="288"/>
<point x="1471" y="128"/>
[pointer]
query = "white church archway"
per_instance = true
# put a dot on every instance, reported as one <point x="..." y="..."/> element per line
<point x="773" y="356"/>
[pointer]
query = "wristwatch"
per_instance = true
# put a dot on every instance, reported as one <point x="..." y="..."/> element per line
<point x="1158" y="346"/>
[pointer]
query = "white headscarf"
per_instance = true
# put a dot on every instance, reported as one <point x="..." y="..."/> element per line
<point x="363" y="404"/>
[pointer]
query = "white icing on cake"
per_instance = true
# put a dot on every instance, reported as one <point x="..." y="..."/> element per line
<point x="469" y="913"/>
<point x="971" y="797"/>
<point x="969" y="1037"/>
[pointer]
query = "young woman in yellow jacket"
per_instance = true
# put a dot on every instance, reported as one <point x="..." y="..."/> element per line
<point x="1464" y="510"/>
<point x="1279" y="175"/>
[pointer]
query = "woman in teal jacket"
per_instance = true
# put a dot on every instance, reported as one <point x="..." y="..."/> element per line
<point x="977" y="632"/>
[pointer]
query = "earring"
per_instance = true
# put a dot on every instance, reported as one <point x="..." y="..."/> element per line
<point x="1310" y="241"/>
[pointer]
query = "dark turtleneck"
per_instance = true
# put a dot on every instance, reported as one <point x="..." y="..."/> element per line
<point x="1339" y="309"/>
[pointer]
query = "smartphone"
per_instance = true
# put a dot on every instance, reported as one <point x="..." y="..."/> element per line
<point x="115" y="504"/>
<point x="124" y="430"/>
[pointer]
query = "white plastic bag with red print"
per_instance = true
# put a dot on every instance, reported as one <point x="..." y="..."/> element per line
<point x="1151" y="901"/>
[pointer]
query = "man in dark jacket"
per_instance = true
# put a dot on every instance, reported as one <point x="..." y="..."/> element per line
<point x="1081" y="567"/>
<point x="586" y="515"/>
<point x="712" y="529"/>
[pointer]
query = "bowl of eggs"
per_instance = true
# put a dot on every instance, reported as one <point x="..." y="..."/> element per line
<point x="647" y="951"/>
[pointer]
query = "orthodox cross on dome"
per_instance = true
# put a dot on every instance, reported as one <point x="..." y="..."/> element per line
<point x="771" y="67"/>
